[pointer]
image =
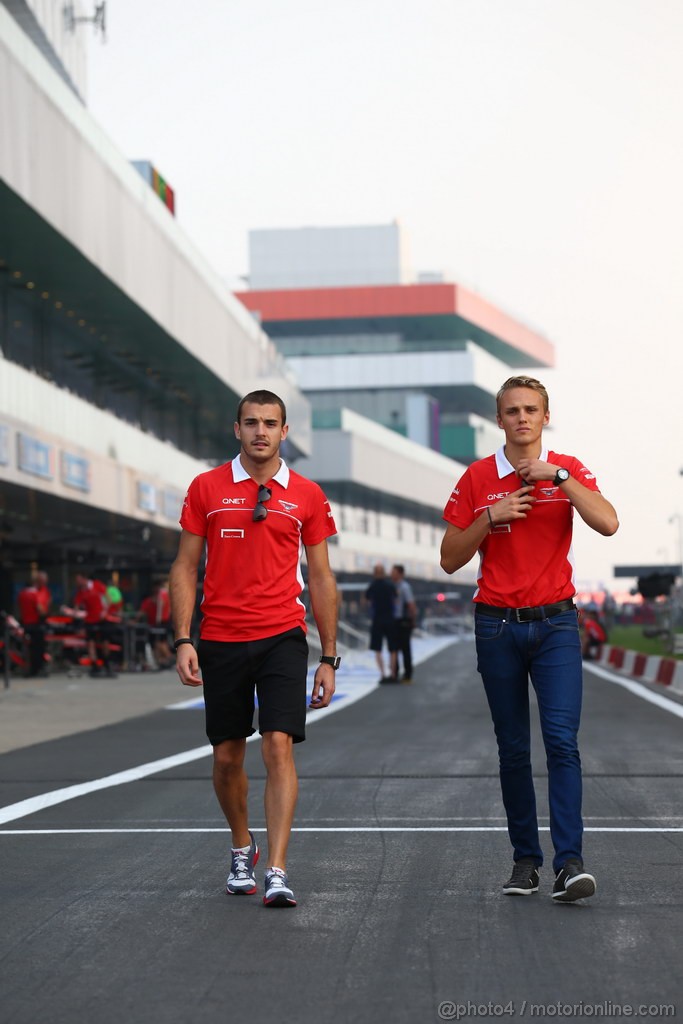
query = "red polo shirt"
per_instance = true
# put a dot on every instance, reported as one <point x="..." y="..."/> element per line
<point x="253" y="580"/>
<point x="526" y="562"/>
<point x="91" y="598"/>
<point x="157" y="610"/>
<point x="594" y="630"/>
<point x="34" y="603"/>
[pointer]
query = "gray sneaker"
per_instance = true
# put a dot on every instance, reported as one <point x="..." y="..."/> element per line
<point x="277" y="891"/>
<point x="241" y="879"/>
<point x="524" y="878"/>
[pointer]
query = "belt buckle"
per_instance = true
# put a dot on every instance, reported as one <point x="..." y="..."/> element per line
<point x="528" y="614"/>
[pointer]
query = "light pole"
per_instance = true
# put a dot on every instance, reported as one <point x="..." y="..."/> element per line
<point x="677" y="517"/>
<point x="677" y="591"/>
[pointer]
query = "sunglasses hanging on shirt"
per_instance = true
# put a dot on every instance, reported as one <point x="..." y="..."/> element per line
<point x="260" y="512"/>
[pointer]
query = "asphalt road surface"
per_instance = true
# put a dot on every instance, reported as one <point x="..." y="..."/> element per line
<point x="112" y="902"/>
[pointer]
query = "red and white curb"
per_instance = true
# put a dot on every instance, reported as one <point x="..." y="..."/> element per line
<point x="648" y="668"/>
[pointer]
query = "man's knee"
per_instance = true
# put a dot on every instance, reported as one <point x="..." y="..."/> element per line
<point x="228" y="757"/>
<point x="561" y="747"/>
<point x="277" y="750"/>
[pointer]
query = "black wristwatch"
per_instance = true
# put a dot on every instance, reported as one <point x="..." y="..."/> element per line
<point x="561" y="476"/>
<point x="327" y="659"/>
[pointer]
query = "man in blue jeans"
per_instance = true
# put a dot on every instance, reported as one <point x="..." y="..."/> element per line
<point x="516" y="509"/>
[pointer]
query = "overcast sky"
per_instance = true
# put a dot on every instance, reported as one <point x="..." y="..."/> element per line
<point x="531" y="149"/>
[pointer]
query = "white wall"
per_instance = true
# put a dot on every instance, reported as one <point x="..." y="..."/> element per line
<point x="120" y="456"/>
<point x="375" y="457"/>
<point x="471" y="366"/>
<point x="322" y="257"/>
<point x="62" y="47"/>
<point x="367" y="538"/>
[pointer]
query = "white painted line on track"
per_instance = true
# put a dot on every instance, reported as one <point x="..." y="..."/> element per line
<point x="57" y="796"/>
<point x="638" y="689"/>
<point x="314" y="828"/>
<point x="359" y="690"/>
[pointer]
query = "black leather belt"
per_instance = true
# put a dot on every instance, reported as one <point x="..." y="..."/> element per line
<point x="543" y="611"/>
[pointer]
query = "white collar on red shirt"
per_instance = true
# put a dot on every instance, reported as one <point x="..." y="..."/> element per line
<point x="505" y="468"/>
<point x="239" y="473"/>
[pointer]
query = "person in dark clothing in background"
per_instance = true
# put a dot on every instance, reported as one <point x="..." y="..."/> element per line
<point x="381" y="596"/>
<point x="405" y="612"/>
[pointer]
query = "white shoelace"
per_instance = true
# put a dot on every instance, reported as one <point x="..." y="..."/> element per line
<point x="241" y="869"/>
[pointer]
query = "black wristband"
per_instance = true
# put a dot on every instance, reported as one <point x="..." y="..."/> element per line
<point x="183" y="640"/>
<point x="488" y="512"/>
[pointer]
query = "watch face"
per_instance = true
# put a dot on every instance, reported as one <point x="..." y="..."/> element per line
<point x="562" y="474"/>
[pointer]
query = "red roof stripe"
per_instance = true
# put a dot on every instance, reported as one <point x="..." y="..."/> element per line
<point x="396" y="301"/>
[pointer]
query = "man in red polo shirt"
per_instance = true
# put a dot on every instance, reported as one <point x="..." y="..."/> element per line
<point x="255" y="515"/>
<point x="90" y="606"/>
<point x="516" y="509"/>
<point x="156" y="609"/>
<point x="34" y="605"/>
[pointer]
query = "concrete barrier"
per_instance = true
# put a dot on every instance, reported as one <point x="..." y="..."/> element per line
<point x="648" y="668"/>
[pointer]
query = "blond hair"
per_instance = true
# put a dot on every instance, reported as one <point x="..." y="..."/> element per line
<point x="522" y="382"/>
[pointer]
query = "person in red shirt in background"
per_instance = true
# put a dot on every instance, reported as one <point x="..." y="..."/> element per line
<point x="156" y="611"/>
<point x="255" y="515"/>
<point x="34" y="605"/>
<point x="516" y="509"/>
<point x="90" y="605"/>
<point x="593" y="635"/>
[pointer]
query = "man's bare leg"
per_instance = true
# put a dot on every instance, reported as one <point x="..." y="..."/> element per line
<point x="231" y="786"/>
<point x="280" y="795"/>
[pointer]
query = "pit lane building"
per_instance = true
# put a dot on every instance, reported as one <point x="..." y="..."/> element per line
<point x="122" y="353"/>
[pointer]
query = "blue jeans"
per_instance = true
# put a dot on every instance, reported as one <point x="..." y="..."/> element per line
<point x="548" y="652"/>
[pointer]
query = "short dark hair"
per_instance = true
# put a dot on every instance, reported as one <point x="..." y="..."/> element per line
<point x="262" y="398"/>
<point x="401" y="569"/>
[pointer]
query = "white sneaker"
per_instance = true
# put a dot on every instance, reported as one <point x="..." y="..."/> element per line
<point x="241" y="880"/>
<point x="278" y="893"/>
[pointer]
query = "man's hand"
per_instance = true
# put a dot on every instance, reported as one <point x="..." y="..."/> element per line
<point x="593" y="508"/>
<point x="323" y="687"/>
<point x="187" y="665"/>
<point x="516" y="505"/>
<point x="535" y="470"/>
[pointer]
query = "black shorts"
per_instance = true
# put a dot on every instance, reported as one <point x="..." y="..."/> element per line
<point x="385" y="629"/>
<point x="93" y="631"/>
<point x="275" y="667"/>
